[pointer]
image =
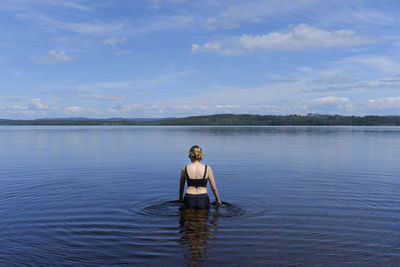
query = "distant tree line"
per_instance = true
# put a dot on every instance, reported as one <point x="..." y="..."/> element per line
<point x="228" y="120"/>
<point x="311" y="120"/>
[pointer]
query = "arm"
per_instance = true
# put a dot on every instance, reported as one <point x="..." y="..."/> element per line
<point x="182" y="185"/>
<point x="213" y="185"/>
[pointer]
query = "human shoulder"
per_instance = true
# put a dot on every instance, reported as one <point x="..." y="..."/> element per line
<point x="209" y="171"/>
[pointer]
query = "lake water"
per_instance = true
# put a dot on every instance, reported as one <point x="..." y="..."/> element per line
<point x="104" y="196"/>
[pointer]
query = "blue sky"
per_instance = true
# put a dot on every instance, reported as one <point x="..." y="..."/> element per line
<point x="175" y="58"/>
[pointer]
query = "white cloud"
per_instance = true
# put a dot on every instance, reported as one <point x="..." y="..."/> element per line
<point x="381" y="63"/>
<point x="92" y="87"/>
<point x="65" y="4"/>
<point x="362" y="73"/>
<point x="359" y="16"/>
<point x="35" y="104"/>
<point x="113" y="43"/>
<point x="211" y="23"/>
<point x="278" y="98"/>
<point x="167" y="23"/>
<point x="300" y="37"/>
<point x="97" y="96"/>
<point x="385" y="103"/>
<point x="13" y="5"/>
<point x="231" y="14"/>
<point x="90" y="28"/>
<point x="329" y="100"/>
<point x="173" y="109"/>
<point x="53" y="57"/>
<point x="196" y="48"/>
<point x="113" y="85"/>
<point x="92" y="24"/>
<point x="211" y="46"/>
<point x="33" y="107"/>
<point x="121" y="27"/>
<point x="169" y="77"/>
<point x="327" y="105"/>
<point x="227" y="106"/>
<point x="75" y="110"/>
<point x="17" y="107"/>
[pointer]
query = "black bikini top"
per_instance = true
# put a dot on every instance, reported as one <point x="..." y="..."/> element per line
<point x="197" y="182"/>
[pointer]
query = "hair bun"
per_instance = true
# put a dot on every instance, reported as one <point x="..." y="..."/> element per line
<point x="196" y="153"/>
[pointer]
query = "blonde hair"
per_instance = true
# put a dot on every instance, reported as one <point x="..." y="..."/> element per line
<point x="195" y="153"/>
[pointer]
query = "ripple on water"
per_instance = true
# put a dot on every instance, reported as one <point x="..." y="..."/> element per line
<point x="226" y="210"/>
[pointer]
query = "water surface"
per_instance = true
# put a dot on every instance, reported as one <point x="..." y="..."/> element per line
<point x="102" y="196"/>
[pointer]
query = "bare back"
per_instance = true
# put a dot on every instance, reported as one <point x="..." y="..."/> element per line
<point x="195" y="171"/>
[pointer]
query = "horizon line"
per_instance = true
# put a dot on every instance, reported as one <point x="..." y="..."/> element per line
<point x="181" y="117"/>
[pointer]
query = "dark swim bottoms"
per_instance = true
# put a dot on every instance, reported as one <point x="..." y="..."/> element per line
<point x="201" y="201"/>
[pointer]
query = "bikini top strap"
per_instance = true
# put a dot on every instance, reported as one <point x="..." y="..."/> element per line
<point x="205" y="171"/>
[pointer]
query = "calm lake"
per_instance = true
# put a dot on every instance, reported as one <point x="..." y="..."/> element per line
<point x="104" y="196"/>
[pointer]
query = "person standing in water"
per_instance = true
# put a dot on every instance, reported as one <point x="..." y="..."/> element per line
<point x="197" y="174"/>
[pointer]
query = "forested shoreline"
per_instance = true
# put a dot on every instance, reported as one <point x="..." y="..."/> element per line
<point x="226" y="120"/>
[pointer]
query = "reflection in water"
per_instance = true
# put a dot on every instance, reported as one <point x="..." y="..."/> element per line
<point x="197" y="228"/>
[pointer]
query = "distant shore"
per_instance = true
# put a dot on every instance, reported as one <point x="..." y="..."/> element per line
<point x="224" y="120"/>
